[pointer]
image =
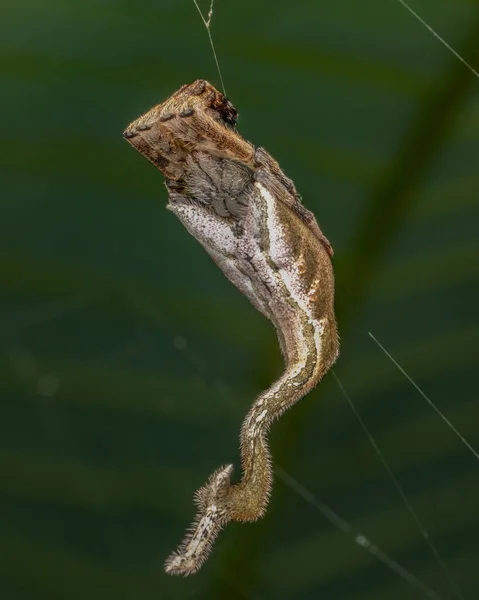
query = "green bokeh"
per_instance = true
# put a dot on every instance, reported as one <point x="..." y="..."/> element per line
<point x="128" y="360"/>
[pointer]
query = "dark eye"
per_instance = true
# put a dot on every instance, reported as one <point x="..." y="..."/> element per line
<point x="224" y="111"/>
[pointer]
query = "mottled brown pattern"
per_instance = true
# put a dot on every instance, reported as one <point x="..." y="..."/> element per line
<point x="235" y="200"/>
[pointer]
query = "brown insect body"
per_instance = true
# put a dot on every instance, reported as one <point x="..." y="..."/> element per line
<point x="235" y="200"/>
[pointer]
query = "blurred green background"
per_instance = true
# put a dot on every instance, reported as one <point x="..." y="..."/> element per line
<point x="128" y="360"/>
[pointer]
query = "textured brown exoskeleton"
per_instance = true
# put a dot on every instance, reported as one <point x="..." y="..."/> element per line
<point x="235" y="200"/>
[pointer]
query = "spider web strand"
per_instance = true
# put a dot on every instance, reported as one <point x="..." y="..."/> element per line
<point x="437" y="36"/>
<point x="360" y="539"/>
<point x="425" y="396"/>
<point x="207" y="24"/>
<point x="443" y="566"/>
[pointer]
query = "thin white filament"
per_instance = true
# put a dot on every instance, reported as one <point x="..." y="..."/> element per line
<point x="402" y="493"/>
<point x="207" y="24"/>
<point x="425" y="396"/>
<point x="360" y="539"/>
<point x="441" y="39"/>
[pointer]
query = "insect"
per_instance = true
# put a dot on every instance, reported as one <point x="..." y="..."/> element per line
<point x="236" y="201"/>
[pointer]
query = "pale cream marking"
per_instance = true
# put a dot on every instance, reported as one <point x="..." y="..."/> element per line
<point x="275" y="232"/>
<point x="261" y="416"/>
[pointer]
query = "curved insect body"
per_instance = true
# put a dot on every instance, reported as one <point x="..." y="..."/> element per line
<point x="235" y="200"/>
